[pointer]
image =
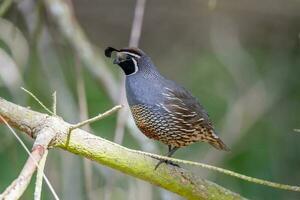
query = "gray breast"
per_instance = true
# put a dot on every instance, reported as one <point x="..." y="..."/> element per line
<point x="143" y="90"/>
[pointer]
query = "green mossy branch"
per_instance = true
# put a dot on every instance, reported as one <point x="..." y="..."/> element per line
<point x="113" y="155"/>
<point x="136" y="163"/>
<point x="220" y="170"/>
<point x="141" y="166"/>
<point x="227" y="172"/>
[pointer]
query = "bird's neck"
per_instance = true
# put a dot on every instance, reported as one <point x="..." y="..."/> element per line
<point x="144" y="88"/>
<point x="147" y="70"/>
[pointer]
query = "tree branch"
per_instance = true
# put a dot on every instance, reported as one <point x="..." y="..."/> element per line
<point x="19" y="185"/>
<point x="113" y="155"/>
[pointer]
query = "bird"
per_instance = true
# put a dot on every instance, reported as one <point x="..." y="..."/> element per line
<point x="162" y="109"/>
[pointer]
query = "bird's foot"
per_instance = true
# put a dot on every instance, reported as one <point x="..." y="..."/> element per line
<point x="167" y="162"/>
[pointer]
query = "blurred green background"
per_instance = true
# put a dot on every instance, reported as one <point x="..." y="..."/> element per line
<point x="240" y="58"/>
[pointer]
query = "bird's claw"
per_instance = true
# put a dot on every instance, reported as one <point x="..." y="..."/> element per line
<point x="168" y="162"/>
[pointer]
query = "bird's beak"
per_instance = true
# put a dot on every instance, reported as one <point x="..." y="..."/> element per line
<point x="120" y="57"/>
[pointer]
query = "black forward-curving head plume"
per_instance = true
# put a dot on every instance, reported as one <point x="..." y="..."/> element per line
<point x="126" y="58"/>
<point x="108" y="51"/>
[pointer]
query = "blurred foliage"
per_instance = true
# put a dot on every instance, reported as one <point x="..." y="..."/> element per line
<point x="260" y="43"/>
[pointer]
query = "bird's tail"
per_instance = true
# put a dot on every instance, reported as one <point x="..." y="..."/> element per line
<point x="216" y="141"/>
<point x="219" y="144"/>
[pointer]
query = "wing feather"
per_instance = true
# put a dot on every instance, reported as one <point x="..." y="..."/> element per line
<point x="190" y="117"/>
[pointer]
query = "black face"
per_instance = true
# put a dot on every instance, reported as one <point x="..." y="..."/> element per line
<point x="127" y="59"/>
<point x="128" y="65"/>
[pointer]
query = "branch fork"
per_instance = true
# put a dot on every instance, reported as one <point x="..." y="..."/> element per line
<point x="45" y="129"/>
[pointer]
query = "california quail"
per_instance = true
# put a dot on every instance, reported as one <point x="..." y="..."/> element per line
<point x="162" y="109"/>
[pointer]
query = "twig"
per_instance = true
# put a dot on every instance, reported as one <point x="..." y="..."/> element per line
<point x="224" y="171"/>
<point x="35" y="98"/>
<point x="54" y="105"/>
<point x="96" y="118"/>
<point x="39" y="177"/>
<point x="91" y="120"/>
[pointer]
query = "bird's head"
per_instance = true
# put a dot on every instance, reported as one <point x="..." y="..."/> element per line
<point x="127" y="58"/>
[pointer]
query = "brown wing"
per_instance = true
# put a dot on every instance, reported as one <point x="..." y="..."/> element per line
<point x="190" y="117"/>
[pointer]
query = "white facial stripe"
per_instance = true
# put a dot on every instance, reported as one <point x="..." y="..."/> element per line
<point x="136" y="68"/>
<point x="132" y="54"/>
